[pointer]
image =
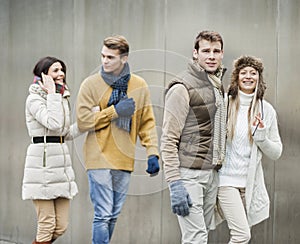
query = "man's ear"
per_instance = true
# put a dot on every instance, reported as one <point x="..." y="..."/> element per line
<point x="195" y="54"/>
<point x="124" y="59"/>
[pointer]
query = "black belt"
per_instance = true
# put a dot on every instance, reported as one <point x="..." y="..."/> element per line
<point x="49" y="139"/>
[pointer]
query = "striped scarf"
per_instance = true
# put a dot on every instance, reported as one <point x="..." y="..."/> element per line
<point x="219" y="137"/>
<point x="119" y="84"/>
<point x="58" y="88"/>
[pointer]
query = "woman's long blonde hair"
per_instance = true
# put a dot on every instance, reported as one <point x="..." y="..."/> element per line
<point x="233" y="93"/>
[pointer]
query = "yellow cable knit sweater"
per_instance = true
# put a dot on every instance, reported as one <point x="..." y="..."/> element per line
<point x="106" y="145"/>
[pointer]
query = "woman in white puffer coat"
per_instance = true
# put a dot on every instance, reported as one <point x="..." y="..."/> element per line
<point x="49" y="178"/>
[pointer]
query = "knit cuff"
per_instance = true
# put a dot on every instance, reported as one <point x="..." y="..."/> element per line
<point x="111" y="112"/>
<point x="260" y="134"/>
<point x="152" y="151"/>
<point x="54" y="96"/>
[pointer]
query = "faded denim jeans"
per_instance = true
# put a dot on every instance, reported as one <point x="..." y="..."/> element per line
<point x="108" y="189"/>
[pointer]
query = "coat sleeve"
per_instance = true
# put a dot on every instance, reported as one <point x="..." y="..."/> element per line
<point x="73" y="132"/>
<point x="175" y="114"/>
<point x="47" y="112"/>
<point x="268" y="138"/>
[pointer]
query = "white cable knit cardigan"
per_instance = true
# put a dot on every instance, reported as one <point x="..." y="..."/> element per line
<point x="267" y="142"/>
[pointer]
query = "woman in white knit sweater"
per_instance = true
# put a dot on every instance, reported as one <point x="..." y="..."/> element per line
<point x="252" y="132"/>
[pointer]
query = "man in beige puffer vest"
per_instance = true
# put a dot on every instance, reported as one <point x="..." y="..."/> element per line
<point x="193" y="137"/>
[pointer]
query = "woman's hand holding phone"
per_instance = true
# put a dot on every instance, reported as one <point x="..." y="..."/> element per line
<point x="48" y="84"/>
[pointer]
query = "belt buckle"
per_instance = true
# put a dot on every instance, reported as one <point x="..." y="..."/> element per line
<point x="60" y="138"/>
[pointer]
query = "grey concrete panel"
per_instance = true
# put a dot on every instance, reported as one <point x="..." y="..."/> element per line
<point x="286" y="210"/>
<point x="286" y="217"/>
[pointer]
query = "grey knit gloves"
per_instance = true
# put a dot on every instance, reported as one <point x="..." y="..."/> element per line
<point x="180" y="198"/>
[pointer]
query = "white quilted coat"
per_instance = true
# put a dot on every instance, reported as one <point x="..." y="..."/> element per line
<point x="48" y="172"/>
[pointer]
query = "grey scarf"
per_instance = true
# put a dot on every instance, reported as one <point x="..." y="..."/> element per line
<point x="219" y="120"/>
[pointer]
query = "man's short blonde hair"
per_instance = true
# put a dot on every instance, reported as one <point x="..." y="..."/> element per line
<point x="117" y="42"/>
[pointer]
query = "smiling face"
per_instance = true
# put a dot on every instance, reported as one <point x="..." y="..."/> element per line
<point x="209" y="55"/>
<point x="57" y="73"/>
<point x="248" y="77"/>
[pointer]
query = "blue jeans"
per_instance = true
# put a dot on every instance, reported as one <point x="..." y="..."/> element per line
<point x="108" y="189"/>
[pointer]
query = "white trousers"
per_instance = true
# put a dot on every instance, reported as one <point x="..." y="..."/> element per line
<point x="232" y="202"/>
<point x="202" y="186"/>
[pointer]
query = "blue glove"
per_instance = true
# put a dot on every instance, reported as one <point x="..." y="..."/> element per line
<point x="153" y="165"/>
<point x="125" y="107"/>
<point x="180" y="199"/>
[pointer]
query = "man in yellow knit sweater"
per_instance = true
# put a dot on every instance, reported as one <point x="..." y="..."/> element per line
<point x="114" y="107"/>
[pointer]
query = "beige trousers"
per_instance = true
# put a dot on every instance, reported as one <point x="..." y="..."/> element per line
<point x="232" y="202"/>
<point x="52" y="217"/>
<point x="202" y="186"/>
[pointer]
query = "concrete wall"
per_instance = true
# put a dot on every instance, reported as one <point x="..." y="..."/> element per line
<point x="161" y="35"/>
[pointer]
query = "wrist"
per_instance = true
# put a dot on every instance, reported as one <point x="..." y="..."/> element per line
<point x="50" y="91"/>
<point x="175" y="183"/>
